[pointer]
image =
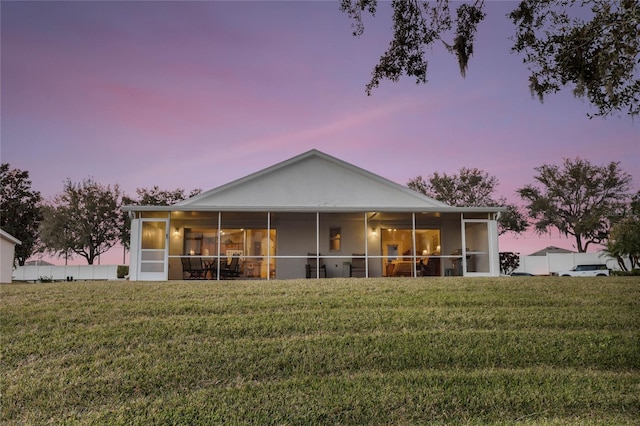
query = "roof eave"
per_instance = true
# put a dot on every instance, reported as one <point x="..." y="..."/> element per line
<point x="311" y="209"/>
<point x="10" y="237"/>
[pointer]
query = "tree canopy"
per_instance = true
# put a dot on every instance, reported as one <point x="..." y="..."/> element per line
<point x="20" y="213"/>
<point x="624" y="238"/>
<point x="160" y="197"/>
<point x="470" y="188"/>
<point x="84" y="219"/>
<point x="578" y="199"/>
<point x="590" y="46"/>
<point x="597" y="57"/>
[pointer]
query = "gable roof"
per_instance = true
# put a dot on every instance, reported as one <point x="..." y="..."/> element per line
<point x="312" y="181"/>
<point x="550" y="249"/>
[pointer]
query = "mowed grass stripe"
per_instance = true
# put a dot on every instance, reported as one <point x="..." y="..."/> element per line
<point x="264" y="357"/>
<point x="545" y="350"/>
<point x="409" y="397"/>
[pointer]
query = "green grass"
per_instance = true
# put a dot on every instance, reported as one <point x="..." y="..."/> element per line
<point x="380" y="351"/>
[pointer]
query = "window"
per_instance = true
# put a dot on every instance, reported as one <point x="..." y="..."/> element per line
<point x="399" y="254"/>
<point x="334" y="239"/>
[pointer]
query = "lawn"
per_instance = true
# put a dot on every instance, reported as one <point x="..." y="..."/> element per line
<point x="543" y="350"/>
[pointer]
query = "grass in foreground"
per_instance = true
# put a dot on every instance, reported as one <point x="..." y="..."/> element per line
<point x="336" y="351"/>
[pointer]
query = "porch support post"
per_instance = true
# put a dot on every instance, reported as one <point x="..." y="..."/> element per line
<point x="366" y="246"/>
<point x="413" y="242"/>
<point x="268" y="246"/>
<point x="317" y="245"/>
<point x="219" y="245"/>
<point x="463" y="249"/>
<point x="494" y="249"/>
<point x="134" y="247"/>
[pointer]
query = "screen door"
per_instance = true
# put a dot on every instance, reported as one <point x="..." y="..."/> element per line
<point x="154" y="240"/>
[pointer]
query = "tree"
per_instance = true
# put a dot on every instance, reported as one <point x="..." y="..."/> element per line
<point x="579" y="199"/>
<point x="84" y="219"/>
<point x="151" y="197"/>
<point x="597" y="56"/>
<point x="624" y="241"/>
<point x="470" y="188"/>
<point x="58" y="237"/>
<point x="161" y="197"/>
<point x="624" y="238"/>
<point x="509" y="261"/>
<point x="20" y="213"/>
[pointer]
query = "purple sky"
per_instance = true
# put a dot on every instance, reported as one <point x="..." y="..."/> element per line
<point x="196" y="94"/>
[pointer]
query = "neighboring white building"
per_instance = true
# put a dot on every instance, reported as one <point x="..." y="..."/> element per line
<point x="7" y="251"/>
<point x="555" y="261"/>
<point x="313" y="209"/>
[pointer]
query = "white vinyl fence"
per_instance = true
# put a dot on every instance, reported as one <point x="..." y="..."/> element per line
<point x="63" y="273"/>
<point x="555" y="262"/>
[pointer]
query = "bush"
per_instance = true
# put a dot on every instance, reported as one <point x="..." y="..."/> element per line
<point x="123" y="271"/>
<point x="509" y="261"/>
<point x="46" y="279"/>
<point x="631" y="273"/>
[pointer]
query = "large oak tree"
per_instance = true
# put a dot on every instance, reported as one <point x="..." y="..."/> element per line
<point x="83" y="220"/>
<point x="624" y="237"/>
<point x="589" y="46"/>
<point x="20" y="213"/>
<point x="470" y="188"/>
<point x="579" y="199"/>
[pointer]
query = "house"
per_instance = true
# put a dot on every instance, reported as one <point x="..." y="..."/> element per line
<point x="7" y="251"/>
<point x="311" y="210"/>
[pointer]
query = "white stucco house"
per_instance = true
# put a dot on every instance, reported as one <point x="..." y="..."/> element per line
<point x="7" y="251"/>
<point x="312" y="209"/>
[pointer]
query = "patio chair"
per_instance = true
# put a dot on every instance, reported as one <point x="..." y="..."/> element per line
<point x="197" y="268"/>
<point x="189" y="266"/>
<point x="358" y="265"/>
<point x="431" y="268"/>
<point x="186" y="268"/>
<point x="231" y="270"/>
<point x="312" y="269"/>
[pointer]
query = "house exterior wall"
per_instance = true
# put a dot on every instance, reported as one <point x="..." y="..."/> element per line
<point x="296" y="236"/>
<point x="352" y="240"/>
<point x="7" y="248"/>
<point x="312" y="180"/>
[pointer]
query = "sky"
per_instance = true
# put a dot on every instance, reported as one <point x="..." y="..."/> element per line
<point x="197" y="94"/>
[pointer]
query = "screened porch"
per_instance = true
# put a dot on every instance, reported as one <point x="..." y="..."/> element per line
<point x="282" y="245"/>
